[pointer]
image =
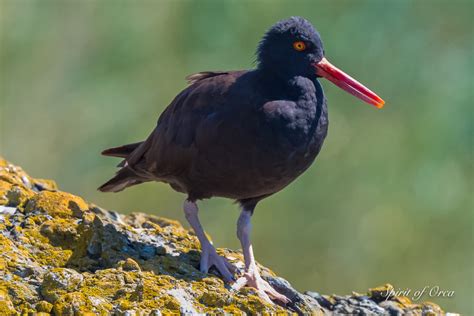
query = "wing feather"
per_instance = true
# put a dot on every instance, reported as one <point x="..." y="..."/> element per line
<point x="194" y="113"/>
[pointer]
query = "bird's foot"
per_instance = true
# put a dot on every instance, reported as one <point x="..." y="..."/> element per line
<point x="209" y="258"/>
<point x="253" y="279"/>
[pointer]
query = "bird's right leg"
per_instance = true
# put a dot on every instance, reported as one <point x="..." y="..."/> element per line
<point x="252" y="276"/>
<point x="209" y="256"/>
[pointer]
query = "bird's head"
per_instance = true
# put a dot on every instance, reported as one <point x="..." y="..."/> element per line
<point x="293" y="47"/>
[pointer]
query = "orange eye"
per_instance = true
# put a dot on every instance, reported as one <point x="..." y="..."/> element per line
<point x="299" y="46"/>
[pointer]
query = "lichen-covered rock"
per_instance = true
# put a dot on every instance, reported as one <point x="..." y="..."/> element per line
<point x="59" y="281"/>
<point x="6" y="305"/>
<point x="61" y="255"/>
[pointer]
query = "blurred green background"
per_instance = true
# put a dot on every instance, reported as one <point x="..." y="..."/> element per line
<point x="388" y="199"/>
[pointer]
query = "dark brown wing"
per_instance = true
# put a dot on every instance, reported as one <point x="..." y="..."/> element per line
<point x="170" y="148"/>
<point x="193" y="114"/>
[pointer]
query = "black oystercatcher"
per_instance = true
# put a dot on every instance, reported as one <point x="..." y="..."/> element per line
<point x="243" y="135"/>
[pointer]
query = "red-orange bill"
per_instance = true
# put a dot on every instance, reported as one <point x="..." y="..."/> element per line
<point x="325" y="69"/>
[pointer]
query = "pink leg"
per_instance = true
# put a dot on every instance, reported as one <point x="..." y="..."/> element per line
<point x="209" y="256"/>
<point x="252" y="276"/>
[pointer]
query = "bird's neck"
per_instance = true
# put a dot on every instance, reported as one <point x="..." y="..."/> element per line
<point x="278" y="78"/>
<point x="285" y="86"/>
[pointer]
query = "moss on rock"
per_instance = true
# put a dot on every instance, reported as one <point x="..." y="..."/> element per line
<point x="61" y="255"/>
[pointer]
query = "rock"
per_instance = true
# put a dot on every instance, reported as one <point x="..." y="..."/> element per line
<point x="6" y="305"/>
<point x="56" y="204"/>
<point x="129" y="265"/>
<point x="64" y="256"/>
<point x="44" y="306"/>
<point x="58" y="282"/>
<point x="381" y="293"/>
<point x="75" y="303"/>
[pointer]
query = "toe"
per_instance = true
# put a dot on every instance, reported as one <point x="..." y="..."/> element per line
<point x="264" y="289"/>
<point x="239" y="283"/>
<point x="232" y="268"/>
<point x="209" y="257"/>
<point x="263" y="295"/>
<point x="221" y="266"/>
<point x="204" y="264"/>
<point x="277" y="296"/>
<point x="274" y="293"/>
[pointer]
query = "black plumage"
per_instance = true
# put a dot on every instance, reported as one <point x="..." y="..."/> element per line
<point x="243" y="135"/>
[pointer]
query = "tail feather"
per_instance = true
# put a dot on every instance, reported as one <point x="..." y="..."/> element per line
<point x="123" y="179"/>
<point x="121" y="151"/>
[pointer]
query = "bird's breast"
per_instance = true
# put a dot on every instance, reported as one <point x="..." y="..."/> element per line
<point x="296" y="115"/>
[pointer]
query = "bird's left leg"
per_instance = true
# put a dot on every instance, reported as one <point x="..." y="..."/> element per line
<point x="252" y="276"/>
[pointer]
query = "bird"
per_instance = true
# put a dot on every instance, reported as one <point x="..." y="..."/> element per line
<point x="242" y="135"/>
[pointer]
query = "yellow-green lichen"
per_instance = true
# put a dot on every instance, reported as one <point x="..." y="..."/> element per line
<point x="58" y="282"/>
<point x="57" y="204"/>
<point x="6" y="305"/>
<point x="72" y="304"/>
<point x="44" y="306"/>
